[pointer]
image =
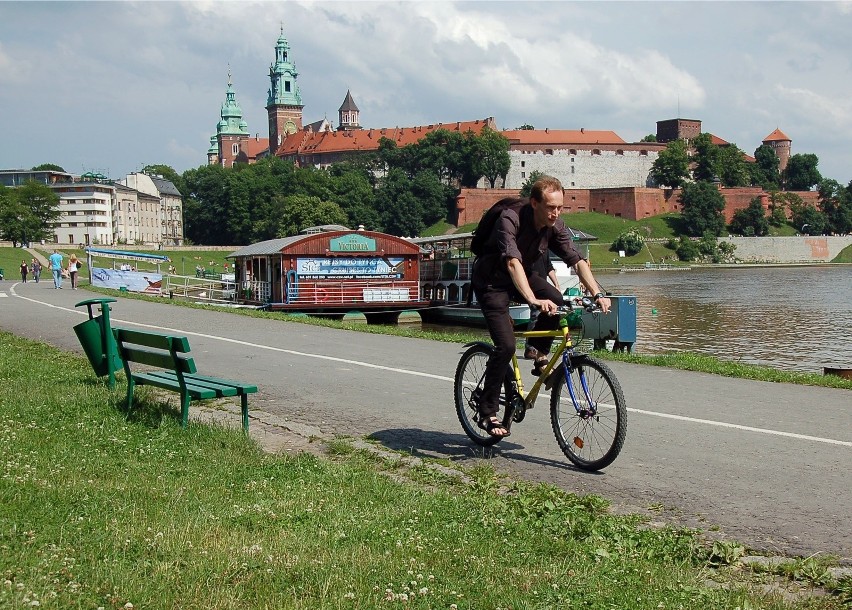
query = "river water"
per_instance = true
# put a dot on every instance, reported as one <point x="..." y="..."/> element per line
<point x="790" y="318"/>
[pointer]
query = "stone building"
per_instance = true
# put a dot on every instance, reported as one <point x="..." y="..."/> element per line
<point x="581" y="159"/>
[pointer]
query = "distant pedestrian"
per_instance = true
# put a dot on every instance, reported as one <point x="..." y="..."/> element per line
<point x="56" y="269"/>
<point x="35" y="269"/>
<point x="73" y="266"/>
<point x="24" y="271"/>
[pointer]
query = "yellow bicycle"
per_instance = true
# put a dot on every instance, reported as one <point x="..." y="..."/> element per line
<point x="588" y="411"/>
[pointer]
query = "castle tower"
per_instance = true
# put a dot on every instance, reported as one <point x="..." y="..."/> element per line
<point x="284" y="100"/>
<point x="348" y="114"/>
<point x="782" y="145"/>
<point x="231" y="131"/>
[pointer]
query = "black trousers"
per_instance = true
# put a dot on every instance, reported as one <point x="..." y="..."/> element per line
<point x="494" y="302"/>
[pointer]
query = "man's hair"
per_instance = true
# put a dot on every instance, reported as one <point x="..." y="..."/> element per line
<point x="544" y="184"/>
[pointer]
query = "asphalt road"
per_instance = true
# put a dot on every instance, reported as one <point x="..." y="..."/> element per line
<point x="766" y="464"/>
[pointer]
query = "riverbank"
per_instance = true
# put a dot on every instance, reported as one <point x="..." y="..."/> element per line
<point x="221" y="524"/>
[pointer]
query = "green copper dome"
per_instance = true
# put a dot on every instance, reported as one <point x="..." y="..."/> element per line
<point x="232" y="122"/>
<point x="283" y="89"/>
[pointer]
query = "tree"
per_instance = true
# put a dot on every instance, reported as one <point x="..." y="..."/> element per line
<point x="764" y="171"/>
<point x="649" y="138"/>
<point x="298" y="212"/>
<point x="807" y="218"/>
<point x="687" y="249"/>
<point x="525" y="127"/>
<point x="48" y="167"/>
<point x="751" y="221"/>
<point x="706" y="158"/>
<point x="671" y="167"/>
<point x="28" y="213"/>
<point x="836" y="204"/>
<point x="400" y="210"/>
<point x="631" y="241"/>
<point x="778" y="203"/>
<point x="490" y="155"/>
<point x="731" y="167"/>
<point x="526" y="187"/>
<point x="802" y="173"/>
<point x="703" y="205"/>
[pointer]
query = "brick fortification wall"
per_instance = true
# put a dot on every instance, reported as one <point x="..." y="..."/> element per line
<point x="634" y="203"/>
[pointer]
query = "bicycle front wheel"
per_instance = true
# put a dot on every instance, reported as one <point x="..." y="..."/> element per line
<point x="470" y="375"/>
<point x="589" y="414"/>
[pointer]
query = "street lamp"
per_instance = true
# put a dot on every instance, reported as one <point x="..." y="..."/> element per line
<point x="803" y="227"/>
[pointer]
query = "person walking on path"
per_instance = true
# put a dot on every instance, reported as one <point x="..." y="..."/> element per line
<point x="24" y="271"/>
<point x="73" y="267"/>
<point x="35" y="269"/>
<point x="56" y="269"/>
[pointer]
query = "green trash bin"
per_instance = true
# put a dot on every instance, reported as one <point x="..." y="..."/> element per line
<point x="95" y="335"/>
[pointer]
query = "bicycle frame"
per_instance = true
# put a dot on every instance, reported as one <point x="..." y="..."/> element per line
<point x="558" y="357"/>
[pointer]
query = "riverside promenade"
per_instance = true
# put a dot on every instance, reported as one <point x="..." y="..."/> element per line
<point x="765" y="464"/>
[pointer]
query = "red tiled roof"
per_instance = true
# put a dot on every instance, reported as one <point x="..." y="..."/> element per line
<point x="714" y="139"/>
<point x="561" y="136"/>
<point x="254" y="146"/>
<point x="777" y="136"/>
<point x="304" y="143"/>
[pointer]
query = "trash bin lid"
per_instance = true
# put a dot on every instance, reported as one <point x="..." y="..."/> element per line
<point x="96" y="301"/>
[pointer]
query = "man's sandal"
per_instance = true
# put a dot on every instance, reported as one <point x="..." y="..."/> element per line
<point x="492" y="425"/>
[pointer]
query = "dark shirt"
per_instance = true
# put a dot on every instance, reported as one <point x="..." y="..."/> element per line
<point x="515" y="236"/>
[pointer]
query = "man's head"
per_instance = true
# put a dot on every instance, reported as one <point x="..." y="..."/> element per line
<point x="546" y="197"/>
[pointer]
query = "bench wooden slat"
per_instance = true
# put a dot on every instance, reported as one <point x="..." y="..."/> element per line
<point x="195" y="384"/>
<point x="159" y="359"/>
<point x="152" y="339"/>
<point x="239" y="385"/>
<point x="196" y="392"/>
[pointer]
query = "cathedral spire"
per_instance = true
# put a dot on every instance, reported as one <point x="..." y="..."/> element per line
<point x="284" y="100"/>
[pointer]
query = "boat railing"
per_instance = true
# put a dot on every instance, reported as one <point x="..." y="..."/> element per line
<point x="201" y="288"/>
<point x="351" y="292"/>
<point x="453" y="269"/>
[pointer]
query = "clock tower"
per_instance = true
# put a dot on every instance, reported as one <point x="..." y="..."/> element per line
<point x="284" y="100"/>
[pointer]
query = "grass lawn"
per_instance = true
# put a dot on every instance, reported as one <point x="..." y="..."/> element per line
<point x="107" y="510"/>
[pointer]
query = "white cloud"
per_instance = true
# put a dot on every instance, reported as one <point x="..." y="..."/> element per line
<point x="151" y="76"/>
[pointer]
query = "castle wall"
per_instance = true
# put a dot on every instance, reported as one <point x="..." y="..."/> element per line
<point x="607" y="166"/>
<point x="633" y="203"/>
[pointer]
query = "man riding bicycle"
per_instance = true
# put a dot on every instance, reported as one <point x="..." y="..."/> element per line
<point x="504" y="273"/>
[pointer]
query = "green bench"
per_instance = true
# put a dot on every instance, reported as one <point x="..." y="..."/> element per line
<point x="178" y="374"/>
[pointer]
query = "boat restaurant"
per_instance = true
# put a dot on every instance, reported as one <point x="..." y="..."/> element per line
<point x="330" y="269"/>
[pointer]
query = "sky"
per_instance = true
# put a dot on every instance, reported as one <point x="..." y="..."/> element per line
<point x="114" y="86"/>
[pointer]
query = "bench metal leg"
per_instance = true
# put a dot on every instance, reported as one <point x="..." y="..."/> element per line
<point x="244" y="406"/>
<point x="184" y="409"/>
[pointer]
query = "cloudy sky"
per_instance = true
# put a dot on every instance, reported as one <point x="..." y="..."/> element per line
<point x="114" y="86"/>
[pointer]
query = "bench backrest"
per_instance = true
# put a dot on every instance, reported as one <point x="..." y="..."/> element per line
<point x="154" y="349"/>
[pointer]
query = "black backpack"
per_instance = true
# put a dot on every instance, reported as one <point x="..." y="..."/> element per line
<point x="485" y="228"/>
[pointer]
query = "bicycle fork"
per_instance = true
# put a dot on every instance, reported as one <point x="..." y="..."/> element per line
<point x="592" y="409"/>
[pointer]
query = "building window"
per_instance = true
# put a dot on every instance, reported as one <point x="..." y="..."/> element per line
<point x="287" y="86"/>
<point x="619" y="152"/>
<point x="523" y="174"/>
<point x="235" y="149"/>
<point x="523" y="163"/>
<point x="572" y="169"/>
<point x="572" y="184"/>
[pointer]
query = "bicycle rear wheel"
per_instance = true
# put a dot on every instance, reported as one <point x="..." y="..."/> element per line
<point x="470" y="374"/>
<point x="591" y="425"/>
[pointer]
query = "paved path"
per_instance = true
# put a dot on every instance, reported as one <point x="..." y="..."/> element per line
<point x="767" y="463"/>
